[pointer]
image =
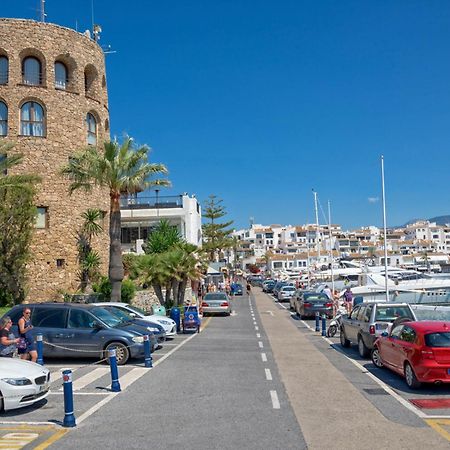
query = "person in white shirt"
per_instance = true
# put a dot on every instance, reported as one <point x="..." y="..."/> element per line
<point x="326" y="290"/>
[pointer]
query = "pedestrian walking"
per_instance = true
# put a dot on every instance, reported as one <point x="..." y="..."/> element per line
<point x="8" y="342"/>
<point x="348" y="299"/>
<point x="26" y="347"/>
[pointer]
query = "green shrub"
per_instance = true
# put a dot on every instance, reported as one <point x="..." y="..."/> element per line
<point x="104" y="287"/>
<point x="128" y="291"/>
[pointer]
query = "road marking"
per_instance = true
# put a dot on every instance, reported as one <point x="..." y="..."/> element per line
<point x="436" y="425"/>
<point x="270" y="312"/>
<point x="132" y="376"/>
<point x="268" y="375"/>
<point x="17" y="440"/>
<point x="258" y="335"/>
<point x="257" y="328"/>
<point x="275" y="401"/>
<point x="89" y="378"/>
<point x="264" y="357"/>
<point x="285" y="307"/>
<point x="260" y="344"/>
<point x="51" y="440"/>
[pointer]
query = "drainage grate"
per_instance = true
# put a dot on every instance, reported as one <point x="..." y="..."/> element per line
<point x="375" y="391"/>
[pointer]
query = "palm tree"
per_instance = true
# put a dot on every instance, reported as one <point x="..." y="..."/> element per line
<point x="8" y="161"/>
<point x="121" y="169"/>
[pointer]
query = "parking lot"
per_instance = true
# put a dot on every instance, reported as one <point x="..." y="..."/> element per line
<point x="430" y="403"/>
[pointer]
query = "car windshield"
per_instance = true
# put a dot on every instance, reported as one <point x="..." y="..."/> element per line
<point x="139" y="311"/>
<point x="124" y="315"/>
<point x="432" y="313"/>
<point x="215" y="297"/>
<point x="390" y="313"/>
<point x="288" y="288"/>
<point x="441" y="339"/>
<point x="105" y="316"/>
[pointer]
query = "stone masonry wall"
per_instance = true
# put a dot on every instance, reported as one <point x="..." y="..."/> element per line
<point x="66" y="131"/>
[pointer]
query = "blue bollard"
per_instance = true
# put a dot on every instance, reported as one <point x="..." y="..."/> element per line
<point x="175" y="314"/>
<point x="69" y="418"/>
<point x="324" y="325"/>
<point x="115" y="385"/>
<point x="317" y="321"/>
<point x="147" y="351"/>
<point x="40" y="349"/>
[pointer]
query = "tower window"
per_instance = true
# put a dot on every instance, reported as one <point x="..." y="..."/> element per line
<point x="32" y="119"/>
<point x="91" y="129"/>
<point x="32" y="71"/>
<point x="3" y="119"/>
<point x="61" y="77"/>
<point x="42" y="217"/>
<point x="3" y="70"/>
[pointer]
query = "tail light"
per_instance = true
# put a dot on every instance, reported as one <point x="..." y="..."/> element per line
<point x="204" y="304"/>
<point x="307" y="305"/>
<point x="427" y="354"/>
<point x="224" y="304"/>
<point x="328" y="305"/>
<point x="372" y="329"/>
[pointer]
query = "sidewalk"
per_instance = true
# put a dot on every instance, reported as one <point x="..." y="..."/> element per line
<point x="331" y="412"/>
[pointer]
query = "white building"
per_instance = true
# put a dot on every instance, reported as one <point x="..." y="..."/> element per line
<point x="141" y="214"/>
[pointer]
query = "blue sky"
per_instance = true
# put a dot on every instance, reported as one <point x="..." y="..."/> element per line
<point x="259" y="102"/>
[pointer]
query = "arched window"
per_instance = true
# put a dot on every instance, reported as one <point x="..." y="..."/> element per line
<point x="3" y="70"/>
<point x="32" y="71"/>
<point x="3" y="119"/>
<point x="32" y="119"/>
<point x="91" y="129"/>
<point x="61" y="78"/>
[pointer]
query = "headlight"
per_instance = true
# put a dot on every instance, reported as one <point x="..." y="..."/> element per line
<point x="138" y="339"/>
<point x="165" y="322"/>
<point x="153" y="330"/>
<point x="17" y="381"/>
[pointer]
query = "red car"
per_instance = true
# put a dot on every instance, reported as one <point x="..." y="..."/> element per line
<point x="420" y="351"/>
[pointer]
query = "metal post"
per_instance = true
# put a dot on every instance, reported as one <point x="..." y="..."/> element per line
<point x="317" y="321"/>
<point x="384" y="230"/>
<point x="324" y="325"/>
<point x="147" y="351"/>
<point x="40" y="349"/>
<point x="69" y="418"/>
<point x="115" y="385"/>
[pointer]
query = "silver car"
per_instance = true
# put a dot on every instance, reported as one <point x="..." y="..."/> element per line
<point x="216" y="303"/>
<point x="285" y="293"/>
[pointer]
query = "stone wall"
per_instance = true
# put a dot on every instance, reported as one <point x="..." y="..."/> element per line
<point x="146" y="298"/>
<point x="66" y="131"/>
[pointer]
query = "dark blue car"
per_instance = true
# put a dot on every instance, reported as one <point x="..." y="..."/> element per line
<point x="236" y="289"/>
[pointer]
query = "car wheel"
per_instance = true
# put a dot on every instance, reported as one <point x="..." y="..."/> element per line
<point x="331" y="330"/>
<point x="344" y="341"/>
<point x="362" y="349"/>
<point x="410" y="377"/>
<point x="122" y="352"/>
<point x="376" y="358"/>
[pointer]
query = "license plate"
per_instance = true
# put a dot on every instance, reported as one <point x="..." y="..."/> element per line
<point x="44" y="387"/>
<point x="379" y="326"/>
<point x="318" y="305"/>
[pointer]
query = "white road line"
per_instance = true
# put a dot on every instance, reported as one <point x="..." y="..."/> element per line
<point x="257" y="328"/>
<point x="285" y="307"/>
<point x="260" y="344"/>
<point x="275" y="401"/>
<point x="132" y="376"/>
<point x="79" y="393"/>
<point x="258" y="335"/>
<point x="264" y="357"/>
<point x="268" y="375"/>
<point x="89" y="378"/>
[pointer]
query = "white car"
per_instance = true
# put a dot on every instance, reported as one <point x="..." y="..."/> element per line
<point x="22" y="383"/>
<point x="169" y="325"/>
<point x="285" y="293"/>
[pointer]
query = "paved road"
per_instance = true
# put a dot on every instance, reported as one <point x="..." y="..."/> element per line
<point x="221" y="390"/>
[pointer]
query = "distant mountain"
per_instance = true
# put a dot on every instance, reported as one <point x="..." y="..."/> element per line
<point x="440" y="220"/>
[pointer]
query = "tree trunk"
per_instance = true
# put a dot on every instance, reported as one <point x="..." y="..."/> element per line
<point x="168" y="290"/>
<point x="175" y="290"/>
<point x="182" y="290"/>
<point x="158" y="291"/>
<point x="115" y="249"/>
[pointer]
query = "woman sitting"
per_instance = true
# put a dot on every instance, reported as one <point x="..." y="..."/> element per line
<point x="8" y="342"/>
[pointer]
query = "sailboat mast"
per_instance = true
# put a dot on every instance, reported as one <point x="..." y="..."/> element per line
<point x="317" y="226"/>
<point x="384" y="230"/>
<point x="331" y="248"/>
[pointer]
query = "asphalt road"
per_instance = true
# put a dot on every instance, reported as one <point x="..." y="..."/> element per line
<point x="221" y="390"/>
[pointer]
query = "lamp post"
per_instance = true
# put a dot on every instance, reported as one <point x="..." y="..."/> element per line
<point x="157" y="203"/>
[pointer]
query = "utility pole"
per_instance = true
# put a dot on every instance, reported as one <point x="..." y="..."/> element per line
<point x="331" y="248"/>
<point x="317" y="225"/>
<point x="384" y="230"/>
<point x="43" y="11"/>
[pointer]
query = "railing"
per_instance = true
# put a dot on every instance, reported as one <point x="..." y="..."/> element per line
<point x="162" y="202"/>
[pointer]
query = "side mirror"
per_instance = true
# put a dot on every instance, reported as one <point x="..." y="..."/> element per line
<point x="97" y="325"/>
<point x="384" y="334"/>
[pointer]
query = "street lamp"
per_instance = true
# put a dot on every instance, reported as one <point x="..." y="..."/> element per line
<point x="157" y="203"/>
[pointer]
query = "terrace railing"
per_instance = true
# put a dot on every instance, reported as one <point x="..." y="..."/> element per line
<point x="162" y="202"/>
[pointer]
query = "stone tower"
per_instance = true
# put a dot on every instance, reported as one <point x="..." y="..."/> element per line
<point x="53" y="101"/>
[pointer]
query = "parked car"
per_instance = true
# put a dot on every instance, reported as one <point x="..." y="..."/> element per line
<point x="268" y="286"/>
<point x="130" y="318"/>
<point x="285" y="293"/>
<point x="308" y="303"/>
<point x="83" y="330"/>
<point x="419" y="351"/>
<point x="431" y="312"/>
<point x="367" y="321"/>
<point x="216" y="303"/>
<point x="22" y="383"/>
<point x="278" y="286"/>
<point x="236" y="289"/>
<point x="169" y="325"/>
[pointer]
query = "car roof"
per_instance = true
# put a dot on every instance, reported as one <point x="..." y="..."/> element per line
<point x="429" y="326"/>
<point x="389" y="305"/>
<point x="56" y="304"/>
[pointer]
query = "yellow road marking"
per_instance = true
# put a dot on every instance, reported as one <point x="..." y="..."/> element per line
<point x="205" y="323"/>
<point x="20" y="437"/>
<point x="436" y="424"/>
<point x="51" y="440"/>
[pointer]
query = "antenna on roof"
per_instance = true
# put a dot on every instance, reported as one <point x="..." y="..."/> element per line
<point x="43" y="15"/>
<point x="252" y="219"/>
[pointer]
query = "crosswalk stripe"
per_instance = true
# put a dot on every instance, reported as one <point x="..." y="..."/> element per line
<point x="90" y="377"/>
<point x="132" y="376"/>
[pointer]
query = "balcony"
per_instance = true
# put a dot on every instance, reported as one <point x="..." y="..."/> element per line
<point x="161" y="202"/>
